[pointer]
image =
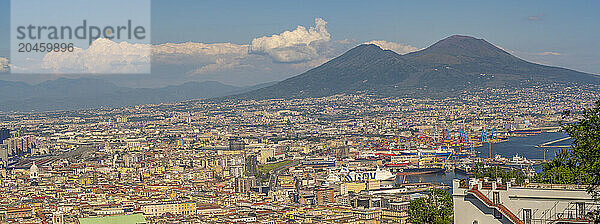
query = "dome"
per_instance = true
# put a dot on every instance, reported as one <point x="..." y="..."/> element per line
<point x="34" y="171"/>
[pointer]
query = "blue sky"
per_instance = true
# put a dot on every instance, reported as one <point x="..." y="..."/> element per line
<point x="562" y="25"/>
<point x="525" y="28"/>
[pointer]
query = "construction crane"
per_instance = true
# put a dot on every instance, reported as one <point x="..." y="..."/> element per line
<point x="446" y="160"/>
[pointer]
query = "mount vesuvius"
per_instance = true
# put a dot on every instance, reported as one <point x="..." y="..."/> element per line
<point x="454" y="63"/>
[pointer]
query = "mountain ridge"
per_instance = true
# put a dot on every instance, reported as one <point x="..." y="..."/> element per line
<point x="446" y="67"/>
<point x="454" y="63"/>
<point x="80" y="93"/>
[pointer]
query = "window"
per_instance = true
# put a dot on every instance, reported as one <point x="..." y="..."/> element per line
<point x="527" y="216"/>
<point x="496" y="200"/>
<point x="580" y="209"/>
<point x="496" y="197"/>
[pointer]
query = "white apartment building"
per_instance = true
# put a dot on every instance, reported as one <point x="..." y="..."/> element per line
<point x="488" y="202"/>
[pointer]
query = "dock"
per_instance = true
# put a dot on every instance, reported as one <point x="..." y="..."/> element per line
<point x="549" y="144"/>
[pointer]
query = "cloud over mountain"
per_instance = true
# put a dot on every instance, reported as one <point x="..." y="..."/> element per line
<point x="396" y="47"/>
<point x="298" y="45"/>
<point x="102" y="57"/>
<point x="181" y="53"/>
<point x="265" y="59"/>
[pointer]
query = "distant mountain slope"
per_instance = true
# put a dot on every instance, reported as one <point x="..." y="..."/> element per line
<point x="457" y="62"/>
<point x="364" y="66"/>
<point x="62" y="94"/>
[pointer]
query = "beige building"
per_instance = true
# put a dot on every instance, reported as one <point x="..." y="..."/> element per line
<point x="183" y="208"/>
<point x="355" y="187"/>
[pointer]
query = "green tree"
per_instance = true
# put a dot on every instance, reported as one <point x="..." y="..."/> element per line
<point x="495" y="172"/>
<point x="586" y="147"/>
<point x="579" y="164"/>
<point x="436" y="208"/>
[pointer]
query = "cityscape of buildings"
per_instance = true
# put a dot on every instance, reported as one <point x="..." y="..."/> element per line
<point x="337" y="159"/>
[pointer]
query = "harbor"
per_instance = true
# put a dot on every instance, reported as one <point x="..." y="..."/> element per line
<point x="429" y="160"/>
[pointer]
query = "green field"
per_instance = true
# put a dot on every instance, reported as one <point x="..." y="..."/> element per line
<point x="268" y="167"/>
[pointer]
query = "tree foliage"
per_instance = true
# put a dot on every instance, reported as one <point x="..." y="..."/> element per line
<point x="436" y="208"/>
<point x="494" y="172"/>
<point x="579" y="164"/>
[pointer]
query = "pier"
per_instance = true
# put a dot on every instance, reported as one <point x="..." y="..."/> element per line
<point x="549" y="144"/>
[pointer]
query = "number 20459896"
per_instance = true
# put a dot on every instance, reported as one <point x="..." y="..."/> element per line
<point x="45" y="47"/>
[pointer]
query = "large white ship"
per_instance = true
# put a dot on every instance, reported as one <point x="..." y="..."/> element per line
<point x="379" y="174"/>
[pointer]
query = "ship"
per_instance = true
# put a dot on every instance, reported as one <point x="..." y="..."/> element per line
<point x="417" y="152"/>
<point x="464" y="169"/>
<point x="379" y="174"/>
<point x="397" y="164"/>
<point x="525" y="132"/>
<point x="417" y="171"/>
<point x="436" y="153"/>
<point x="520" y="161"/>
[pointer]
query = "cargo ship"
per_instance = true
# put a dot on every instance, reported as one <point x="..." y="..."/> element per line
<point x="416" y="152"/>
<point x="438" y="152"/>
<point x="527" y="132"/>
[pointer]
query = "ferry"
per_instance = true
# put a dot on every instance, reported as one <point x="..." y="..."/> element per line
<point x="379" y="174"/>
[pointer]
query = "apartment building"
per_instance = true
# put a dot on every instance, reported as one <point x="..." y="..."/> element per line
<point x="484" y="201"/>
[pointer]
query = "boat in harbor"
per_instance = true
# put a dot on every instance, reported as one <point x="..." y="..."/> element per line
<point x="417" y="152"/>
<point x="464" y="169"/>
<point x="360" y="175"/>
<point x="436" y="153"/>
<point x="398" y="164"/>
<point x="525" y="132"/>
<point x="417" y="171"/>
<point x="343" y="174"/>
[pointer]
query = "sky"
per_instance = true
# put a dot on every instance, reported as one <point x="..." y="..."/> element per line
<point x="245" y="42"/>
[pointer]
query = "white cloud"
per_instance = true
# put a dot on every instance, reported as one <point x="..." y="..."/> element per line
<point x="396" y="47"/>
<point x="220" y="65"/>
<point x="226" y="59"/>
<point x="294" y="46"/>
<point x="300" y="49"/>
<point x="535" y="18"/>
<point x="547" y="53"/>
<point x="3" y="64"/>
<point x="102" y="57"/>
<point x="266" y="59"/>
<point x="209" y="58"/>
<point x="190" y="52"/>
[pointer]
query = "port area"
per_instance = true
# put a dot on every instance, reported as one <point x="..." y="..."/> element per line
<point x="436" y="155"/>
